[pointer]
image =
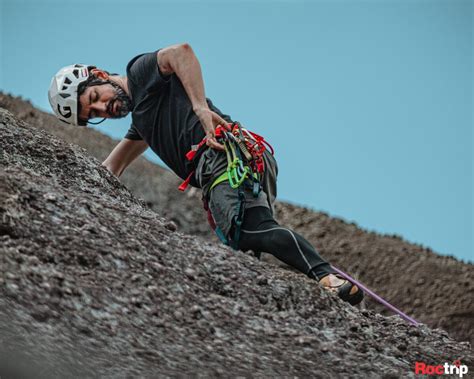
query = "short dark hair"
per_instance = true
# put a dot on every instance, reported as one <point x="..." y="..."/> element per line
<point x="91" y="81"/>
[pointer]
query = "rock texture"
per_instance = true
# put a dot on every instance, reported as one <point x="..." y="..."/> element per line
<point x="96" y="284"/>
<point x="437" y="290"/>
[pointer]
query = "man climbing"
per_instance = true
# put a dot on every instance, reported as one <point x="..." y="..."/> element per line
<point x="164" y="90"/>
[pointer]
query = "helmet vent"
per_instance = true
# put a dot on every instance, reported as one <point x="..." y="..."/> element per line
<point x="67" y="81"/>
<point x="76" y="73"/>
<point x="64" y="88"/>
<point x="65" y="95"/>
<point x="78" y="65"/>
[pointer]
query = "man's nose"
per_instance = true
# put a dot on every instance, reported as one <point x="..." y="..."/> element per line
<point x="100" y="106"/>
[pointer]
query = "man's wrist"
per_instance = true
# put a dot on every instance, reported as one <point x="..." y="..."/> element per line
<point x="201" y="109"/>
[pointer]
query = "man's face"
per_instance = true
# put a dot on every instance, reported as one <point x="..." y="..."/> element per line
<point x="105" y="101"/>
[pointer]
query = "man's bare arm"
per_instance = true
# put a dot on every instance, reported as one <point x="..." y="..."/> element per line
<point x="181" y="60"/>
<point x="123" y="154"/>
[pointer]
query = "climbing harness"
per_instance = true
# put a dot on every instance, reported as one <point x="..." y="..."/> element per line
<point x="245" y="168"/>
<point x="376" y="297"/>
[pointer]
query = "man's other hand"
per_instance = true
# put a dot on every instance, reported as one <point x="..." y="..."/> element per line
<point x="210" y="120"/>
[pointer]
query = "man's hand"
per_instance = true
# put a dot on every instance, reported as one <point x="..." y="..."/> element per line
<point x="123" y="154"/>
<point x="210" y="120"/>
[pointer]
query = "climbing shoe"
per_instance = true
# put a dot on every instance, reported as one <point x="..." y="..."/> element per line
<point x="344" y="289"/>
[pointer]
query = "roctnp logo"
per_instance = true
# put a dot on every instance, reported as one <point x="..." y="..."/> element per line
<point x="456" y="368"/>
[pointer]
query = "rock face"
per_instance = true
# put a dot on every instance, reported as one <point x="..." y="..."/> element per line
<point x="437" y="290"/>
<point x="96" y="284"/>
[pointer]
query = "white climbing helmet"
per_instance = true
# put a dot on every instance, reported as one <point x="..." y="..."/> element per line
<point x="62" y="92"/>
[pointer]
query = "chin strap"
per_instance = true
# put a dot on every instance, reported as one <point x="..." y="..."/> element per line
<point x="96" y="123"/>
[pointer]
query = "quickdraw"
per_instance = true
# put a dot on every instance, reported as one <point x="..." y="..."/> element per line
<point x="250" y="144"/>
<point x="237" y="172"/>
<point x="245" y="166"/>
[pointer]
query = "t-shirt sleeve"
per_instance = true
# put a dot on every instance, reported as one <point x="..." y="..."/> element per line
<point x="143" y="71"/>
<point x="218" y="111"/>
<point x="133" y="134"/>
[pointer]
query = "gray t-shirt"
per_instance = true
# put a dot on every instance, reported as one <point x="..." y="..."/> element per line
<point x="163" y="115"/>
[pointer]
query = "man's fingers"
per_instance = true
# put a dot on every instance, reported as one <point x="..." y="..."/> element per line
<point x="215" y="145"/>
<point x="220" y="121"/>
<point x="225" y="124"/>
<point x="212" y="142"/>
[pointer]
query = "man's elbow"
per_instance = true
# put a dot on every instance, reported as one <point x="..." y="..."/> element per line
<point x="170" y="58"/>
<point x="184" y="50"/>
<point x="186" y="47"/>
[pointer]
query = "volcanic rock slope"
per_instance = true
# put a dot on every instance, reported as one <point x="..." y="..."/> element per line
<point x="437" y="290"/>
<point x="95" y="284"/>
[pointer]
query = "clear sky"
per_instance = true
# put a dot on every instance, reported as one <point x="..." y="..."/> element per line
<point x="368" y="103"/>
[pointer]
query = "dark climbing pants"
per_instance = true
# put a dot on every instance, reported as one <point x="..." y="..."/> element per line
<point x="261" y="233"/>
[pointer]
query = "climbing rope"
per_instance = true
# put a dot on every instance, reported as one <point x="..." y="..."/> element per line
<point x="376" y="297"/>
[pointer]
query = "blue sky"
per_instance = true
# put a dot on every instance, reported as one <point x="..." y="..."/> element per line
<point x="368" y="103"/>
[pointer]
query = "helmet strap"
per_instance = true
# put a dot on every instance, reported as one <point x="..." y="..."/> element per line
<point x="96" y="123"/>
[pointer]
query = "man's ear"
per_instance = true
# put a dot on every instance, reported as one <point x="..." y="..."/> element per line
<point x="98" y="73"/>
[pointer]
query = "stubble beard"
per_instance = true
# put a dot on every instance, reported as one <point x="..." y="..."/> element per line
<point x="124" y="102"/>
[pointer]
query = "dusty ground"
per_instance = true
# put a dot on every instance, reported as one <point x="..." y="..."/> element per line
<point x="96" y="283"/>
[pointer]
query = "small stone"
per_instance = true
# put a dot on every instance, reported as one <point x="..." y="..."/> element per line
<point x="59" y="275"/>
<point x="156" y="266"/>
<point x="170" y="225"/>
<point x="135" y="277"/>
<point x="190" y="273"/>
<point x="261" y="280"/>
<point x="414" y="331"/>
<point x="50" y="197"/>
<point x="262" y="299"/>
<point x="354" y="327"/>
<point x="402" y="347"/>
<point x="391" y="375"/>
<point x="12" y="289"/>
<point x="304" y="340"/>
<point x="41" y="314"/>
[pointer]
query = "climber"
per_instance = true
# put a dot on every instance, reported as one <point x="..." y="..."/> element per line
<point x="164" y="91"/>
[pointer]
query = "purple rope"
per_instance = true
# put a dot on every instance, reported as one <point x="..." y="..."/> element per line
<point x="376" y="297"/>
